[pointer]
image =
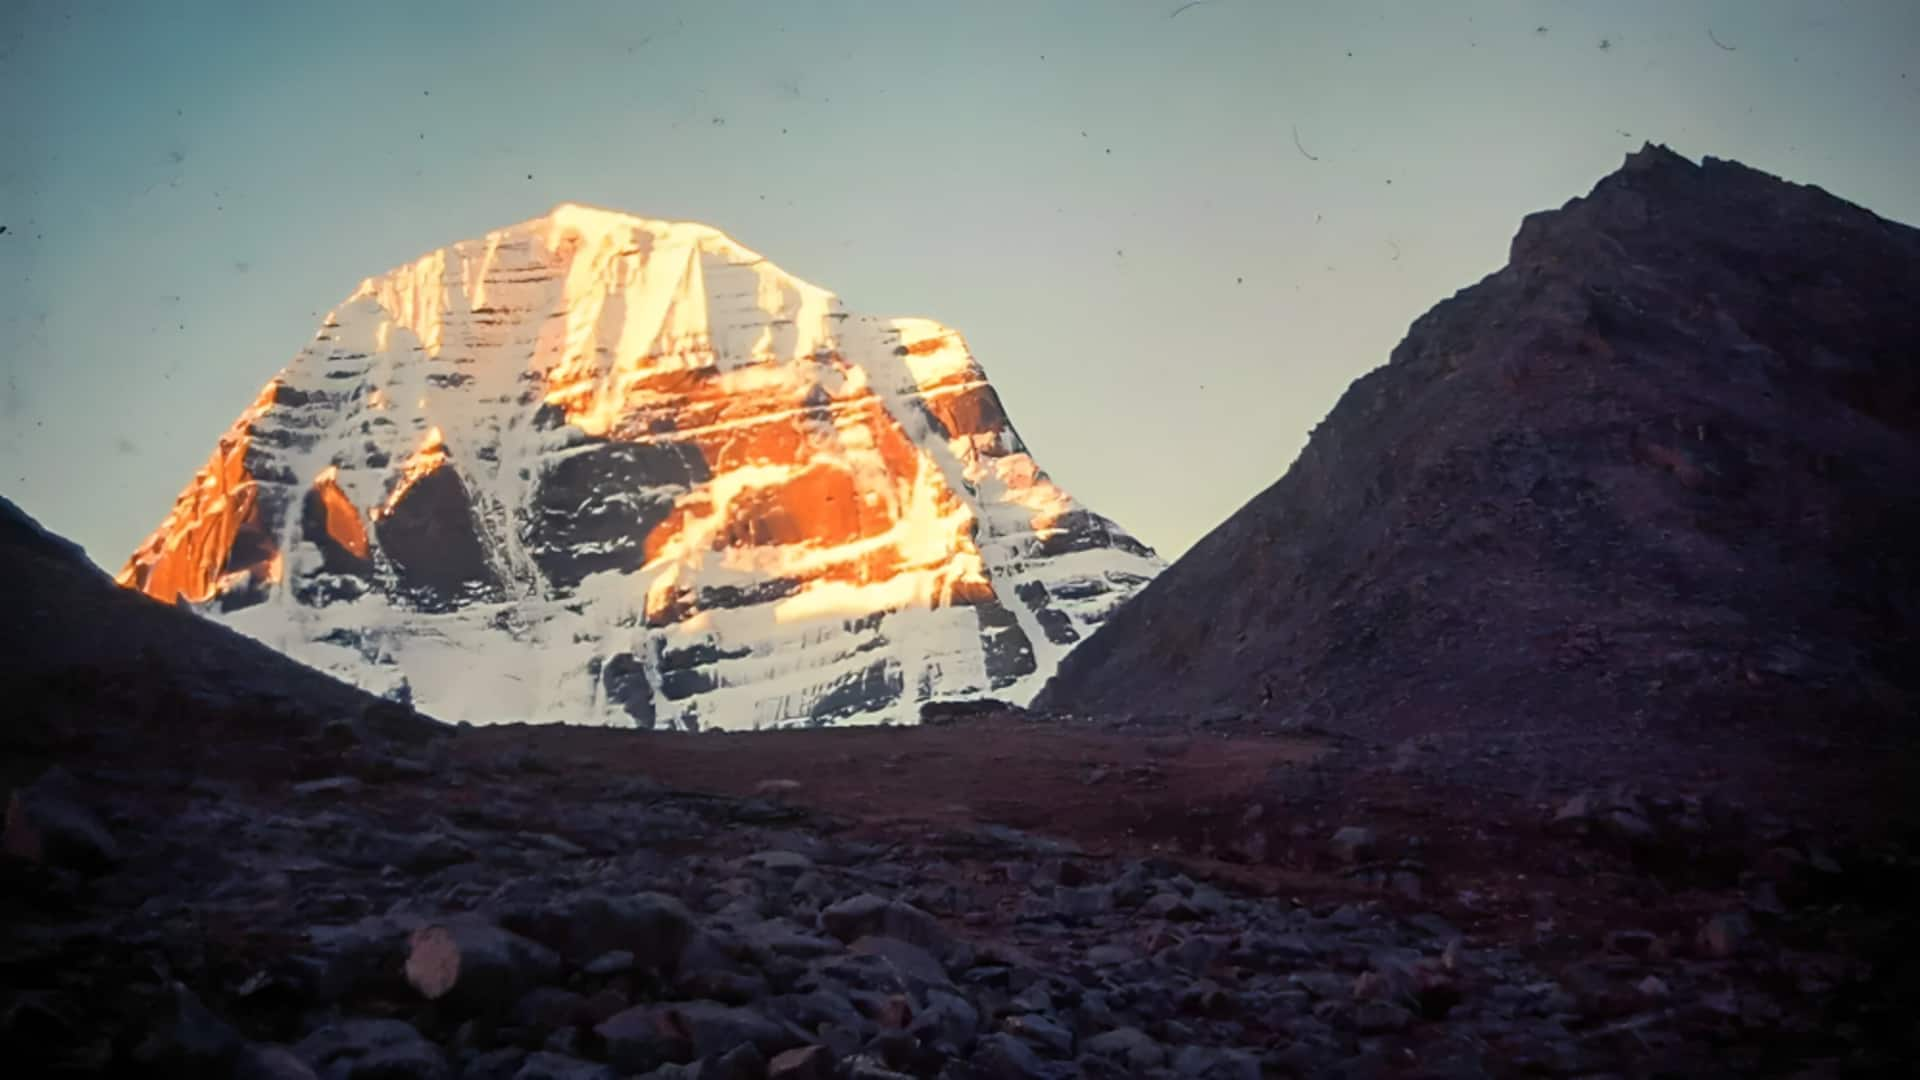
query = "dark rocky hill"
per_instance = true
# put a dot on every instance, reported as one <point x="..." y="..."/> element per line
<point x="1656" y="479"/>
<point x="83" y="661"/>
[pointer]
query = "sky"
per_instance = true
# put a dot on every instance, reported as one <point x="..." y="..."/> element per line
<point x="1171" y="234"/>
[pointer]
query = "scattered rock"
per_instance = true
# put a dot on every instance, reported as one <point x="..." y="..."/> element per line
<point x="49" y="823"/>
<point x="1725" y="933"/>
<point x="916" y="967"/>
<point x="369" y="1049"/>
<point x="265" y="1061"/>
<point x="781" y="862"/>
<point x="336" y="786"/>
<point x="715" y="1028"/>
<point x="1042" y="1033"/>
<point x="476" y="965"/>
<point x="1007" y="1058"/>
<point x="545" y="1066"/>
<point x="1374" y="1017"/>
<point x="868" y="915"/>
<point x="613" y="962"/>
<point x="1130" y="1046"/>
<point x="644" y="1037"/>
<point x="801" y="1063"/>
<point x="1353" y="844"/>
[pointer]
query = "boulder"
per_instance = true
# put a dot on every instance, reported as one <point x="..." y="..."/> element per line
<point x="1128" y="1046"/>
<point x="358" y="1049"/>
<point x="643" y="1038"/>
<point x="867" y="915"/>
<point x="475" y="965"/>
<point x="1352" y="844"/>
<point x="545" y="1066"/>
<point x="801" y="1063"/>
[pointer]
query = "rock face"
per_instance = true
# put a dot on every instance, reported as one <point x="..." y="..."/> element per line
<point x="601" y="469"/>
<point x="1656" y="472"/>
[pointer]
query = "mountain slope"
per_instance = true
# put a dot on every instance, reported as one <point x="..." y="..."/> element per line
<point x="597" y="468"/>
<point x="71" y="637"/>
<point x="1657" y="474"/>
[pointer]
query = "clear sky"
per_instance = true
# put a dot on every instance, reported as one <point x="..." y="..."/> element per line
<point x="1106" y="198"/>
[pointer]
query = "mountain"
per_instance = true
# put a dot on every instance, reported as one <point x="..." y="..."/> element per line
<point x="602" y="469"/>
<point x="1657" y="475"/>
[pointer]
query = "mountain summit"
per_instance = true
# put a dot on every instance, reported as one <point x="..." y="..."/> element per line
<point x="602" y="469"/>
<point x="1653" y="478"/>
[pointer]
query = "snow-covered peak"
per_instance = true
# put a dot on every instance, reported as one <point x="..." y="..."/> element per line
<point x="596" y="466"/>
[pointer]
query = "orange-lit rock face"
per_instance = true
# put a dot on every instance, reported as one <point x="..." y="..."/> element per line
<point x="213" y="532"/>
<point x="341" y="518"/>
<point x="599" y="468"/>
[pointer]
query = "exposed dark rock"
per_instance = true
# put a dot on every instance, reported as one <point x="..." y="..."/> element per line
<point x="801" y="1063"/>
<point x="545" y="1066"/>
<point x="644" y="1037"/>
<point x="48" y="823"/>
<point x="1646" y="487"/>
<point x="1352" y="844"/>
<point x="870" y="915"/>
<point x="372" y="1050"/>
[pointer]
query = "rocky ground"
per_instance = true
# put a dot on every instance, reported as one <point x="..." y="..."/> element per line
<point x="993" y="896"/>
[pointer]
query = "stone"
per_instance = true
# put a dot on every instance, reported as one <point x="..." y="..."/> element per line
<point x="1725" y="933"/>
<point x="612" y="962"/>
<point x="1130" y="1046"/>
<point x="644" y="1037"/>
<point x="267" y="1061"/>
<point x="546" y="1066"/>
<point x="1005" y="1057"/>
<point x="867" y="915"/>
<point x="336" y="786"/>
<point x="1636" y="943"/>
<point x="548" y="1007"/>
<point x="365" y="956"/>
<point x="801" y="1063"/>
<point x="916" y="966"/>
<point x="781" y="862"/>
<point x="49" y="823"/>
<point x="865" y="1067"/>
<point x="476" y="965"/>
<point x="948" y="1023"/>
<point x="501" y="1064"/>
<point x="653" y="927"/>
<point x="1375" y="1017"/>
<point x="1086" y="902"/>
<point x="715" y="1028"/>
<point x="1353" y="844"/>
<point x="1170" y="906"/>
<point x="783" y="938"/>
<point x="1215" y="1063"/>
<point x="358" y="1049"/>
<point x="1042" y="1033"/>
<point x="743" y="1062"/>
<point x="1111" y="955"/>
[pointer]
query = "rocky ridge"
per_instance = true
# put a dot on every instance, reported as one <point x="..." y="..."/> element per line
<point x="1642" y="499"/>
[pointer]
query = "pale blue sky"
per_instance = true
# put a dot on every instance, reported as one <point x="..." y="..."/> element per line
<point x="1106" y="200"/>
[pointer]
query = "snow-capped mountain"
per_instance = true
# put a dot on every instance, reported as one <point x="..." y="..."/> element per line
<point x="595" y="468"/>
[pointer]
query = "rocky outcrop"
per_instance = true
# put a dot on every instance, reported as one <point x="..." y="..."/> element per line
<point x="1655" y="476"/>
<point x="597" y="468"/>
